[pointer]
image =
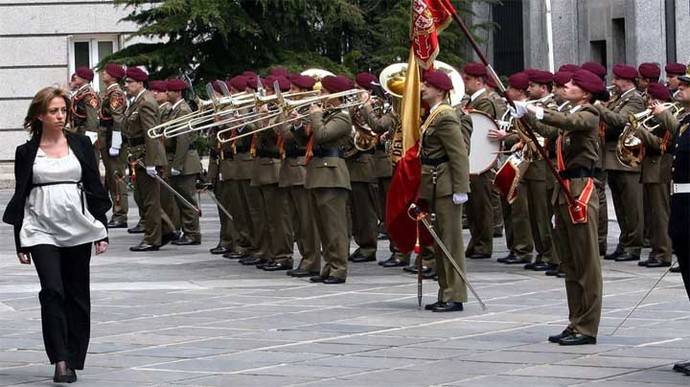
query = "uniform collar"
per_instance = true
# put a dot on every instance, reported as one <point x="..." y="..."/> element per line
<point x="112" y="85"/>
<point x="575" y="108"/>
<point x="139" y="95"/>
<point x="163" y="104"/>
<point x="177" y="103"/>
<point x="477" y="94"/>
<point x="563" y="105"/>
<point x="632" y="90"/>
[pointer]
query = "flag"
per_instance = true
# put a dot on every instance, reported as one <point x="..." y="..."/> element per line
<point x="429" y="17"/>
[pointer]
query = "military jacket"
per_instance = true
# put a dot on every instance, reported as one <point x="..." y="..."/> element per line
<point x="267" y="162"/>
<point x="113" y="106"/>
<point x="293" y="169"/>
<point x="680" y="174"/>
<point x="141" y="116"/>
<point x="387" y="123"/>
<point x="85" y="107"/>
<point x="181" y="151"/>
<point x="615" y="117"/>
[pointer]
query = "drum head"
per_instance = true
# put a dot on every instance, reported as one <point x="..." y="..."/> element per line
<point x="483" y="151"/>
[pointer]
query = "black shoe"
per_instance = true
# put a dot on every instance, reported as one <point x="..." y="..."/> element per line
<point x="333" y="280"/>
<point x="653" y="262"/>
<point x="448" y="307"/>
<point x="541" y="266"/>
<point x="561" y="274"/>
<point x="432" y="306"/>
<point x="316" y="279"/>
<point x="234" y="255"/>
<point x="430" y="275"/>
<point x="278" y="266"/>
<point x="362" y="258"/>
<point x="507" y="257"/>
<point x="515" y="260"/>
<point x="389" y="259"/>
<point x="144" y="247"/>
<point x="479" y="256"/>
<point x="68" y="377"/>
<point x="394" y="262"/>
<point x="250" y="260"/>
<point x="675" y="269"/>
<point x="627" y="257"/>
<point x="681" y="367"/>
<point x="263" y="262"/>
<point x="556" y="338"/>
<point x="138" y="229"/>
<point x="116" y="224"/>
<point x="185" y="241"/>
<point x="577" y="339"/>
<point x="643" y="263"/>
<point x="413" y="269"/>
<point x="617" y="253"/>
<point x="300" y="273"/>
<point x="170" y="237"/>
<point x="219" y="250"/>
<point x="553" y="270"/>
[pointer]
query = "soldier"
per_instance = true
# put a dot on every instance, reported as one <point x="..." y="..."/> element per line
<point x="673" y="71"/>
<point x="85" y="103"/>
<point x="516" y="214"/>
<point x="185" y="165"/>
<point x="496" y="201"/>
<point x="445" y="184"/>
<point x="479" y="207"/>
<point x="624" y="181"/>
<point x="110" y="137"/>
<point x="363" y="180"/>
<point x="140" y="116"/>
<point x="577" y="150"/>
<point x="328" y="179"/>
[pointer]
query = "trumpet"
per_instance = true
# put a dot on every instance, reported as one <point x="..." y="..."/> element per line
<point x="286" y="106"/>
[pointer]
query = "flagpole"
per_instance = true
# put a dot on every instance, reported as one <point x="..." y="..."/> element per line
<point x="502" y="90"/>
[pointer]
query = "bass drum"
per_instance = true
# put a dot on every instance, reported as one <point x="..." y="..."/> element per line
<point x="483" y="150"/>
<point x="509" y="175"/>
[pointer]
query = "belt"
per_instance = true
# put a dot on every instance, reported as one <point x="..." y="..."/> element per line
<point x="327" y="152"/>
<point x="294" y="153"/>
<point x="267" y="153"/>
<point x="136" y="141"/>
<point x="381" y="146"/>
<point x="435" y="162"/>
<point x="574" y="173"/>
<point x="79" y="185"/>
<point x="241" y="149"/>
<point x="680" y="188"/>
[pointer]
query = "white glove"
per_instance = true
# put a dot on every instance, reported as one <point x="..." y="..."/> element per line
<point x="519" y="110"/>
<point x="151" y="171"/>
<point x="459" y="198"/>
<point x="114" y="152"/>
<point x="175" y="172"/>
<point x="117" y="140"/>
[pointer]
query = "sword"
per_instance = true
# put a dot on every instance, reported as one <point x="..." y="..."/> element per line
<point x="424" y="218"/>
<point x="172" y="190"/>
<point x="215" y="200"/>
<point x="642" y="300"/>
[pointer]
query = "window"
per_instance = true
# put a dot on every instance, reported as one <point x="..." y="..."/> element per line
<point x="89" y="51"/>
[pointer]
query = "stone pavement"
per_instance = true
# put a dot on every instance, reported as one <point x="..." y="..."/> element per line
<point x="180" y="316"/>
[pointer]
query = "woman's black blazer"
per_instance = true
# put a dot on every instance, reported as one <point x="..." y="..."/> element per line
<point x="97" y="199"/>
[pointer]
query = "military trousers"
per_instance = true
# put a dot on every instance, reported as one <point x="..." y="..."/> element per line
<point x="551" y="185"/>
<point x="659" y="203"/>
<point x="516" y="218"/>
<point x="383" y="184"/>
<point x="480" y="213"/>
<point x="540" y="220"/>
<point x="258" y="221"/>
<point x="150" y="193"/>
<point x="169" y="203"/>
<point x="678" y="226"/>
<point x="600" y="178"/>
<point x="239" y="207"/>
<point x="449" y="225"/>
<point x="581" y="264"/>
<point x="330" y="208"/>
<point x="115" y="183"/>
<point x="364" y="220"/>
<point x="626" y="192"/>
<point x="278" y="240"/>
<point x="304" y="226"/>
<point x="228" y="235"/>
<point x="185" y="185"/>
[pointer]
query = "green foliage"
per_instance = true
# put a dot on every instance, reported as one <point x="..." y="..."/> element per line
<point x="212" y="39"/>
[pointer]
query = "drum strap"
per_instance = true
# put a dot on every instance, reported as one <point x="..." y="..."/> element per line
<point x="578" y="212"/>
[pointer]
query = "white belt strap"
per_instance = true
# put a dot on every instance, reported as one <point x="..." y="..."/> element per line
<point x="680" y="188"/>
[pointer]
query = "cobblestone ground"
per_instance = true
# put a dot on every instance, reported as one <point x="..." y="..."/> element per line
<point x="180" y="316"/>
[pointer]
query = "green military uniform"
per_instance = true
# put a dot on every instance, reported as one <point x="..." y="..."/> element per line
<point x="328" y="183"/>
<point x="444" y="154"/>
<point x="85" y="107"/>
<point x="580" y="259"/>
<point x="111" y="117"/>
<point x="624" y="182"/>
<point x="480" y="209"/>
<point x="277" y="241"/>
<point x="168" y="199"/>
<point x="140" y="116"/>
<point x="184" y="159"/>
<point x="293" y="173"/>
<point x="501" y="107"/>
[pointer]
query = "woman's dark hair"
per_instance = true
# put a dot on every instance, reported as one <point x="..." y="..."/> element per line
<point x="39" y="105"/>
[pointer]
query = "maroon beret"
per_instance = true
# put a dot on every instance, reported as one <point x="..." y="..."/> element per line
<point x="250" y="74"/>
<point x="438" y="79"/>
<point x="176" y="85"/>
<point x="588" y="81"/>
<point x="217" y="86"/>
<point x="676" y="69"/>
<point x="569" y="67"/>
<point x="292" y="76"/>
<point x="267" y="82"/>
<point x="283" y="83"/>
<point x="115" y="70"/>
<point x="304" y="82"/>
<point x="658" y="91"/>
<point x="519" y="81"/>
<point x="623" y="71"/>
<point x="336" y="84"/>
<point x="365" y="79"/>
<point x="84" y="73"/>
<point x="649" y="70"/>
<point x="594" y="68"/>
<point x="540" y="76"/>
<point x="474" y="69"/>
<point x="238" y="82"/>
<point x="74" y="75"/>
<point x="253" y="82"/>
<point x="562" y="77"/>
<point x="137" y="74"/>
<point x="159" y="86"/>
<point x="279" y="71"/>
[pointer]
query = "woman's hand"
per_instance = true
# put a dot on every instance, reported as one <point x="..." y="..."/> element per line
<point x="24" y="258"/>
<point x="101" y="247"/>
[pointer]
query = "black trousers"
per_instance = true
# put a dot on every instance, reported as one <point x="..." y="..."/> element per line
<point x="681" y="247"/>
<point x="65" y="301"/>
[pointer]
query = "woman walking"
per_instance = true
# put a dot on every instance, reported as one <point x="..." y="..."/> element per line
<point x="58" y="210"/>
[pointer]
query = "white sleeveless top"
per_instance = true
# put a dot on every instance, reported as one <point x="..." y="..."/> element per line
<point x="55" y="214"/>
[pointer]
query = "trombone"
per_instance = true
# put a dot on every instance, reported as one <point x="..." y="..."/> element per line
<point x="286" y="106"/>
